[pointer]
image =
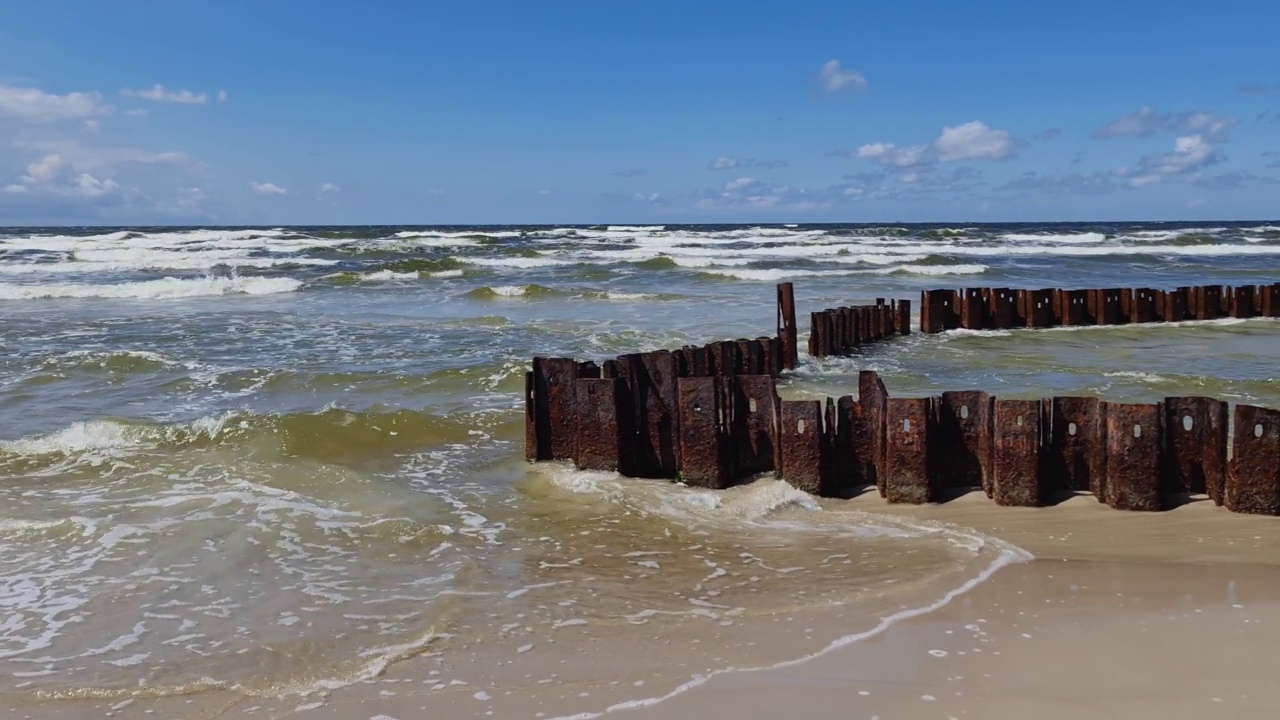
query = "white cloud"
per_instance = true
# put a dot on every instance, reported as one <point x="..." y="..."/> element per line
<point x="45" y="170"/>
<point x="891" y="155"/>
<point x="160" y="94"/>
<point x="54" y="175"/>
<point x="268" y="188"/>
<point x="970" y="141"/>
<point x="649" y="197"/>
<point x="738" y="184"/>
<point x="974" y="141"/>
<point x="1190" y="153"/>
<point x="722" y="163"/>
<point x="91" y="126"/>
<point x="330" y="188"/>
<point x="139" y="112"/>
<point x="1146" y="122"/>
<point x="38" y="106"/>
<point x="835" y="79"/>
<point x="222" y="96"/>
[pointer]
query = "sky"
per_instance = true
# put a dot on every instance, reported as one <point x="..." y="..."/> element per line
<point x="268" y="112"/>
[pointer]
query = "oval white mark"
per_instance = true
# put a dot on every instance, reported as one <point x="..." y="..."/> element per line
<point x="1187" y="423"/>
<point x="1257" y="430"/>
<point x="751" y="403"/>
<point x="906" y="426"/>
<point x="938" y="653"/>
<point x="1137" y="431"/>
<point x="1071" y="428"/>
<point x="964" y="412"/>
<point x="800" y="427"/>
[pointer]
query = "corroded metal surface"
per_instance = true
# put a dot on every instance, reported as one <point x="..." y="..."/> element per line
<point x="1133" y="456"/>
<point x="906" y="460"/>
<point x="1242" y="302"/>
<point x="1002" y="312"/>
<point x="703" y="448"/>
<point x="801" y="434"/>
<point x="1253" y="478"/>
<point x="973" y="315"/>
<point x="1195" y="446"/>
<point x="1176" y="305"/>
<point x="753" y="424"/>
<point x="1039" y="310"/>
<point x="652" y="380"/>
<point x="1074" y="458"/>
<point x="902" y="317"/>
<point x="603" y="431"/>
<point x="1208" y="302"/>
<point x="1015" y="462"/>
<point x="869" y="428"/>
<point x="1145" y="302"/>
<point x="787" y="330"/>
<point x="530" y="419"/>
<point x="554" y="380"/>
<point x="962" y="446"/>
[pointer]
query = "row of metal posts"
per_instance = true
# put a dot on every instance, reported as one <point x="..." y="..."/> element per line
<point x="711" y="416"/>
<point x="837" y="331"/>
<point x="1002" y="308"/>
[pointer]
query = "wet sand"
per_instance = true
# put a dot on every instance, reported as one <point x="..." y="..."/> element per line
<point x="1126" y="615"/>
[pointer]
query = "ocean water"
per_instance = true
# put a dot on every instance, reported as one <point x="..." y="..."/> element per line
<point x="278" y="460"/>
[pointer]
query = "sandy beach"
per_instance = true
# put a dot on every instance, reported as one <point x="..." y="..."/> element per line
<point x="1125" y="615"/>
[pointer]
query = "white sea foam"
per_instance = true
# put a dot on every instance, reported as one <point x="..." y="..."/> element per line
<point x="164" y="288"/>
<point x="1066" y="239"/>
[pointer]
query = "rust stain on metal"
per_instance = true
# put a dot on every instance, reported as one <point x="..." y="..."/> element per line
<point x="1242" y="301"/>
<point x="1145" y="302"/>
<point x="652" y="378"/>
<point x="787" y="330"/>
<point x="530" y="419"/>
<point x="906" y="461"/>
<point x="1208" y="302"/>
<point x="902" y="324"/>
<point x="604" y="433"/>
<point x="704" y="433"/>
<point x="554" y="380"/>
<point x="801" y="434"/>
<point x="1133" y="437"/>
<point x="1075" y="458"/>
<point x="869" y="428"/>
<point x="962" y="445"/>
<point x="1253" y="478"/>
<point x="1015" y="463"/>
<point x="753" y="424"/>
<point x="1195" y="436"/>
<point x="1176" y="305"/>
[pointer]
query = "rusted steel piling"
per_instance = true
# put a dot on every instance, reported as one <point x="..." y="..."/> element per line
<point x="840" y="331"/>
<point x="1002" y="308"/>
<point x="710" y="416"/>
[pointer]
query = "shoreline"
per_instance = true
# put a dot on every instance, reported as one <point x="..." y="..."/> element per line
<point x="1122" y="571"/>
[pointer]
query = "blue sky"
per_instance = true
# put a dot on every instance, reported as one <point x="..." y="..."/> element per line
<point x="329" y="112"/>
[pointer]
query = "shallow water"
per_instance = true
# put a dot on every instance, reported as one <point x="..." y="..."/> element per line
<point x="275" y="460"/>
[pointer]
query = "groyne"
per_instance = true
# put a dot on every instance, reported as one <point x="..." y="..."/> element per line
<point x="1005" y="308"/>
<point x="711" y="416"/>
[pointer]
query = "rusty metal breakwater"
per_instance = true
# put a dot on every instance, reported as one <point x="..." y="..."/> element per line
<point x="837" y="331"/>
<point x="1004" y="308"/>
<point x="711" y="416"/>
<point x="636" y="414"/>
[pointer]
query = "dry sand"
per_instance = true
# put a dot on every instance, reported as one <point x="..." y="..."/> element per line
<point x="1124" y="615"/>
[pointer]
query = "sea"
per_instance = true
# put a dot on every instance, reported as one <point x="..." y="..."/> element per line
<point x="273" y="462"/>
